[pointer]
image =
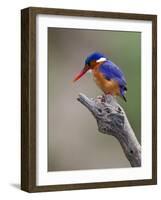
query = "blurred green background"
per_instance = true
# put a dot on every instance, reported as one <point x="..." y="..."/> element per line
<point x="74" y="142"/>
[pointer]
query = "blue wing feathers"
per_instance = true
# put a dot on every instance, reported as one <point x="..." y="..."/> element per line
<point x="112" y="71"/>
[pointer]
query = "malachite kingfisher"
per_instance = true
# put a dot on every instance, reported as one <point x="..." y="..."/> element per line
<point x="107" y="75"/>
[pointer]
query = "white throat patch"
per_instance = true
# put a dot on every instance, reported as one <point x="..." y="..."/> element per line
<point x="102" y="59"/>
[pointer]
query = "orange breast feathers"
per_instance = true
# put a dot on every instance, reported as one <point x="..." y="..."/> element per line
<point x="107" y="86"/>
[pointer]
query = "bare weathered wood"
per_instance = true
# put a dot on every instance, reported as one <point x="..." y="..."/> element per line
<point x="112" y="120"/>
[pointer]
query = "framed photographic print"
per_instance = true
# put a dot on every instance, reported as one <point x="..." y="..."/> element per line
<point x="83" y="130"/>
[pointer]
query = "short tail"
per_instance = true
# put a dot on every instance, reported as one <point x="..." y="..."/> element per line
<point x="124" y="98"/>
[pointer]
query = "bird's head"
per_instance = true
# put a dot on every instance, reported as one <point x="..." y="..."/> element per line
<point x="90" y="62"/>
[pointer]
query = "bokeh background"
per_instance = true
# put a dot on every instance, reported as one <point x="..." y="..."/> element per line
<point x="74" y="142"/>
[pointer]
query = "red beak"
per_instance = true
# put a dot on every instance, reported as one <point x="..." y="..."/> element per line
<point x="78" y="76"/>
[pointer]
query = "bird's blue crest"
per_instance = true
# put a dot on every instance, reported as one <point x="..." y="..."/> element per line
<point x="94" y="56"/>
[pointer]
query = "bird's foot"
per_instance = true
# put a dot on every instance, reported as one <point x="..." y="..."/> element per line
<point x="104" y="98"/>
<point x="109" y="97"/>
<point x="98" y="99"/>
<point x="101" y="98"/>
